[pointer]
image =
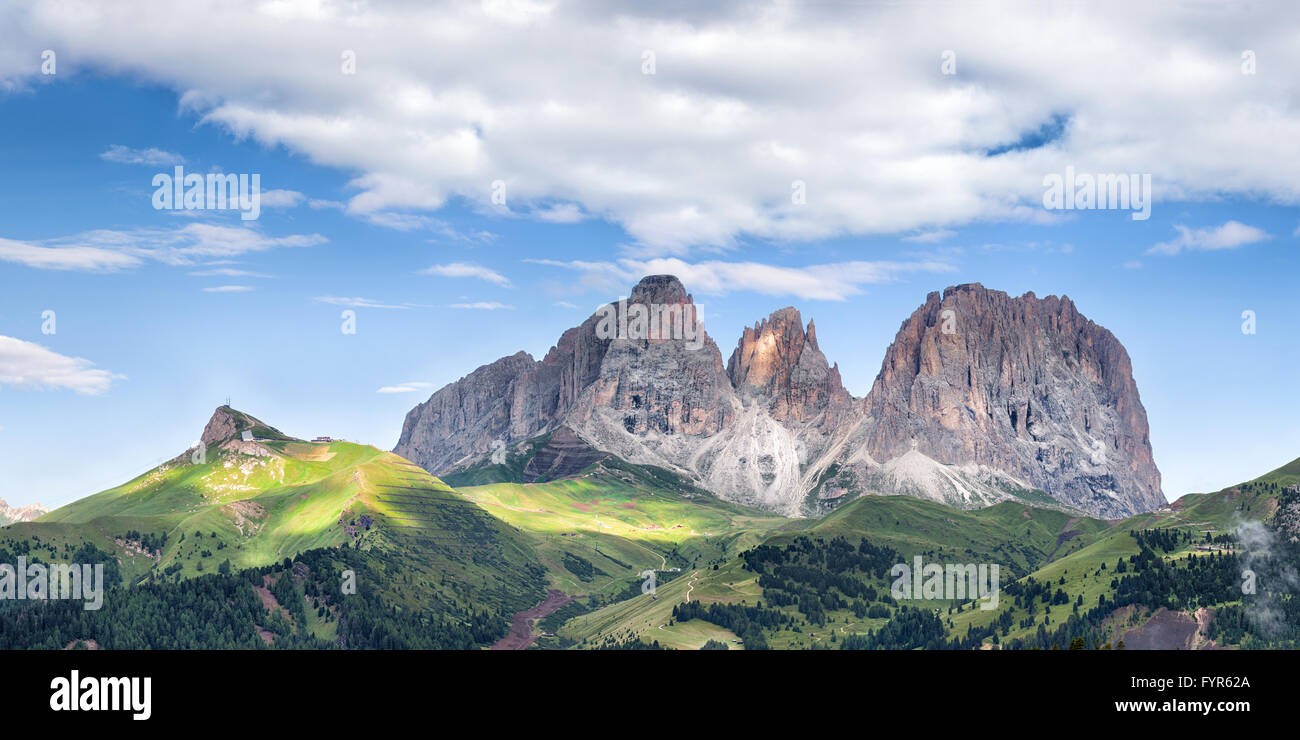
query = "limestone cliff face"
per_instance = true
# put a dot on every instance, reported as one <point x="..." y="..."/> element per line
<point x="979" y="397"/>
<point x="1026" y="386"/>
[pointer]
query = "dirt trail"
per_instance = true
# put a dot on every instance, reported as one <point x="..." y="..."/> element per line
<point x="521" y="627"/>
<point x="692" y="586"/>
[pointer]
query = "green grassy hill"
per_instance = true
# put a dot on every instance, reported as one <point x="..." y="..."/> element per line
<point x="1206" y="521"/>
<point x="250" y="505"/>
<point x="250" y="509"/>
<point x="1254" y="499"/>
<point x="1018" y="536"/>
<point x="665" y="528"/>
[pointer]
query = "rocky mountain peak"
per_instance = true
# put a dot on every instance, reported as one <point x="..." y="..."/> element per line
<point x="1023" y="385"/>
<point x="767" y="352"/>
<point x="659" y="289"/>
<point x="778" y="361"/>
<point x="223" y="425"/>
<point x="228" y="423"/>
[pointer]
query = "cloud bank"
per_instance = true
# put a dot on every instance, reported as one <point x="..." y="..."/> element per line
<point x="697" y="127"/>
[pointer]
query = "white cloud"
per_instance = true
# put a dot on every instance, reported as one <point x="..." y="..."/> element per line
<point x="482" y="306"/>
<point x="447" y="232"/>
<point x="930" y="237"/>
<point x="400" y="221"/>
<point x="281" y="198"/>
<point x="1231" y="235"/>
<point x="1133" y="265"/>
<point x="405" y="388"/>
<point x="108" y="250"/>
<point x="827" y="282"/>
<point x="410" y="222"/>
<point x="194" y="241"/>
<point x="563" y="213"/>
<point x="228" y="289"/>
<point x="81" y="258"/>
<point x="151" y="156"/>
<point x="31" y="366"/>
<point x="354" y="302"/>
<point x="467" y="270"/>
<point x="227" y="272"/>
<point x="847" y="98"/>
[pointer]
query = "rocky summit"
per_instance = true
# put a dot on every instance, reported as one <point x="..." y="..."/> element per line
<point x="1025" y="386"/>
<point x="779" y="364"/>
<point x="981" y="397"/>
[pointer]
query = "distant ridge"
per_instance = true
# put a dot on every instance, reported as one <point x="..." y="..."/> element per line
<point x="10" y="514"/>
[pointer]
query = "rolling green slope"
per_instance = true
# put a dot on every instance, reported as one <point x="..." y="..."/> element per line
<point x="603" y="504"/>
<point x="246" y="505"/>
<point x="1254" y="499"/>
<point x="1018" y="537"/>
<point x="428" y="555"/>
<point x="617" y="517"/>
<point x="1064" y="578"/>
<point x="189" y="517"/>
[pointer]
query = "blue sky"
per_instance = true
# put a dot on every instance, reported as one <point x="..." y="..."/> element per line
<point x="169" y="313"/>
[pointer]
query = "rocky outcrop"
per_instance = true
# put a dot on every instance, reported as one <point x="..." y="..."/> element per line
<point x="981" y="397"/>
<point x="1026" y="386"/>
<point x="223" y="425"/>
<point x="229" y="424"/>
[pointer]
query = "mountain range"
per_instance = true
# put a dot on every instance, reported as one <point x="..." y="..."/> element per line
<point x="981" y="398"/>
<point x="632" y="490"/>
